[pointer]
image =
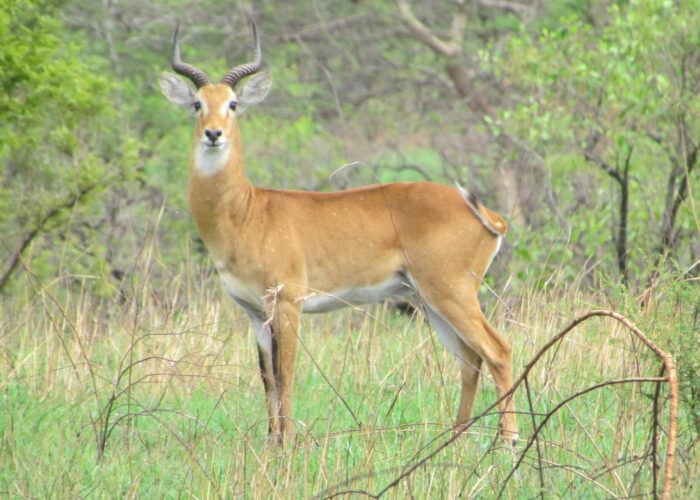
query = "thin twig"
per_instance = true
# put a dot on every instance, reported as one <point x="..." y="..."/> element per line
<point x="671" y="379"/>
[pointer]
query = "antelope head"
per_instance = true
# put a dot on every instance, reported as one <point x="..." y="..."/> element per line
<point x="216" y="106"/>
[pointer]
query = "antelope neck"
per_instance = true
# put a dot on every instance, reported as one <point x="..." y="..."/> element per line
<point x="218" y="193"/>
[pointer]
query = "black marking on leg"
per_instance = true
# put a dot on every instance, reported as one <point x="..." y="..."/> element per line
<point x="276" y="368"/>
<point x="263" y="370"/>
<point x="266" y="382"/>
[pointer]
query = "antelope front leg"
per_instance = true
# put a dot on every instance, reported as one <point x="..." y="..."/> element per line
<point x="263" y="337"/>
<point x="284" y="320"/>
<point x="268" y="380"/>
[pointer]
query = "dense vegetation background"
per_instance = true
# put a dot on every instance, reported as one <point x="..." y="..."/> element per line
<point x="578" y="120"/>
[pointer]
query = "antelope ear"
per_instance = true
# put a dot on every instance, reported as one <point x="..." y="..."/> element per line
<point x="176" y="90"/>
<point x="254" y="90"/>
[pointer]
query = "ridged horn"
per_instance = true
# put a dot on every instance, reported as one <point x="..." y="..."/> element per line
<point x="198" y="77"/>
<point x="234" y="76"/>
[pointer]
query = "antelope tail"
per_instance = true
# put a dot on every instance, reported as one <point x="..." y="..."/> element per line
<point x="493" y="222"/>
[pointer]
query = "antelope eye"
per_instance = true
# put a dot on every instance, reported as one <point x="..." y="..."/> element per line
<point x="197" y="105"/>
<point x="233" y="105"/>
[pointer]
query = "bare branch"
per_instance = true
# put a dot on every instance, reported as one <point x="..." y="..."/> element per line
<point x="320" y="31"/>
<point x="590" y="156"/>
<point x="451" y="48"/>
<point x="597" y="160"/>
<point x="659" y="139"/>
<point x="671" y="379"/>
<point x="515" y="8"/>
<point x="70" y="201"/>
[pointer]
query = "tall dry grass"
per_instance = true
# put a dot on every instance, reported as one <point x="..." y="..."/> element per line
<point x="152" y="389"/>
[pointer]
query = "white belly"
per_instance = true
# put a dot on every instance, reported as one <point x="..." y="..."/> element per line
<point x="318" y="302"/>
<point x="242" y="293"/>
<point x="321" y="302"/>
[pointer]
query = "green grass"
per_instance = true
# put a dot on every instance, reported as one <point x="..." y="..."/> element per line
<point x="374" y="392"/>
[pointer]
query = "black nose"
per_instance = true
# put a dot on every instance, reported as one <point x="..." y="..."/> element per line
<point x="213" y="135"/>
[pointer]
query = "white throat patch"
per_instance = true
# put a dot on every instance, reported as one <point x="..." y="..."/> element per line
<point x="210" y="160"/>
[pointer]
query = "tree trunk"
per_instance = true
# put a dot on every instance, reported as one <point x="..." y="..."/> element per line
<point x="464" y="87"/>
<point x="621" y="244"/>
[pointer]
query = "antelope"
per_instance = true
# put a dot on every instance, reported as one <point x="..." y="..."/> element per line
<point x="280" y="253"/>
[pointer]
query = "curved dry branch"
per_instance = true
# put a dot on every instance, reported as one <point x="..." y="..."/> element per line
<point x="451" y="48"/>
<point x="671" y="378"/>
